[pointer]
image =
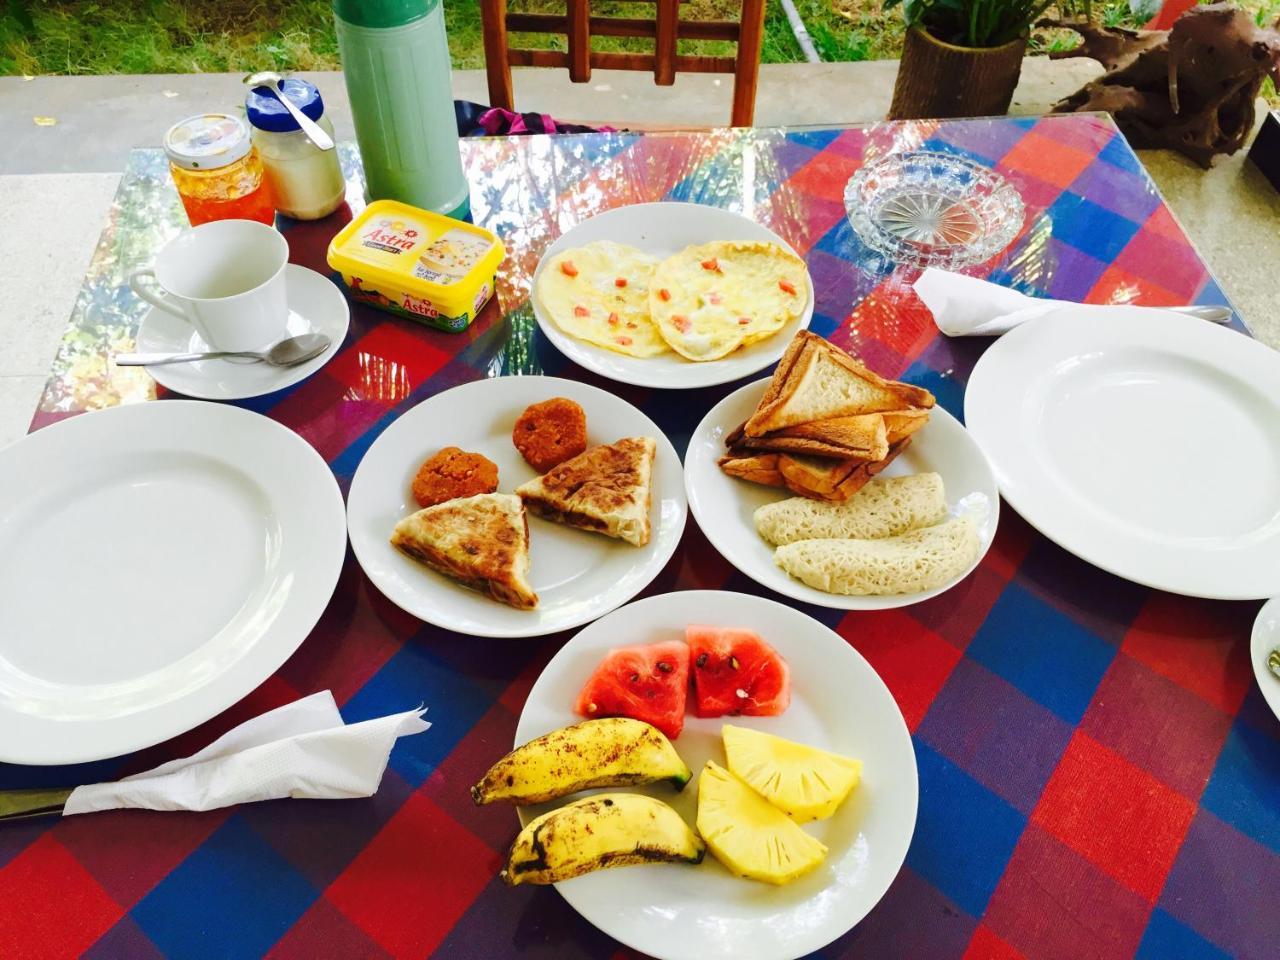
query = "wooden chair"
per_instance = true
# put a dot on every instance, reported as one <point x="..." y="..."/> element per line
<point x="578" y="25"/>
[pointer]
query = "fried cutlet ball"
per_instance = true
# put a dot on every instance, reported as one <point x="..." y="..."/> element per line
<point x="550" y="432"/>
<point x="453" y="473"/>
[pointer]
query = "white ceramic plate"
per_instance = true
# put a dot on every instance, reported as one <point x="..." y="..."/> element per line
<point x="157" y="562"/>
<point x="724" y="505"/>
<point x="1147" y="444"/>
<point x="316" y="305"/>
<point x="663" y="229"/>
<point x="1266" y="637"/>
<point x="678" y="912"/>
<point x="578" y="575"/>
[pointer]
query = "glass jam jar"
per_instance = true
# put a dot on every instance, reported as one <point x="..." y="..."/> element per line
<point x="217" y="170"/>
<point x="306" y="181"/>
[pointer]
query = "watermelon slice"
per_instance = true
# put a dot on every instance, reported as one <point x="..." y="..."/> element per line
<point x="736" y="672"/>
<point x="649" y="683"/>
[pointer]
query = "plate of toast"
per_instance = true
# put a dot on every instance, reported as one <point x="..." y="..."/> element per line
<point x="833" y="485"/>
<point x="516" y="506"/>
<point x="671" y="295"/>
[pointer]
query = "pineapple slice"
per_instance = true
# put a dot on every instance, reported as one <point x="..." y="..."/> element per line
<point x="749" y="836"/>
<point x="803" y="782"/>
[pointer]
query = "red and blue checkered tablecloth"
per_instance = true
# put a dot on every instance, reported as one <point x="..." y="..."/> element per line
<point x="1098" y="775"/>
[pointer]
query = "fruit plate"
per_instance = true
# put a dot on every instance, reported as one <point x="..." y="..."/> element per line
<point x="578" y="575"/>
<point x="724" y="505"/>
<point x="663" y="229"/>
<point x="680" y="912"/>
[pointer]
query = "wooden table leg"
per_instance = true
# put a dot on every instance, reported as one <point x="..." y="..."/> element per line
<point x="493" y="16"/>
<point x="748" y="68"/>
<point x="664" y="45"/>
<point x="579" y="41"/>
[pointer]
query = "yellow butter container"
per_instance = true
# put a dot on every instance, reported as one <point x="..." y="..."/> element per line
<point x="417" y="264"/>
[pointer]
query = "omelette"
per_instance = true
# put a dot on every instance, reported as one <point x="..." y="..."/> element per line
<point x="600" y="293"/>
<point x="711" y="299"/>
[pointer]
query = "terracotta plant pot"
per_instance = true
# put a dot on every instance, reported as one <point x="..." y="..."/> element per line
<point x="937" y="79"/>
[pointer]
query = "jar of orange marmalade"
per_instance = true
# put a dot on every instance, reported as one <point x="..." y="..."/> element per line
<point x="217" y="170"/>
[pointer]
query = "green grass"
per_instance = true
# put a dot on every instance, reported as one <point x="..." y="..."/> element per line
<point x="190" y="36"/>
<point x="193" y="36"/>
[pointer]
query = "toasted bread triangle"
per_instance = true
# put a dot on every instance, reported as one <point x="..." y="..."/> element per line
<point x="818" y="381"/>
<point x="606" y="489"/>
<point x="481" y="541"/>
<point x="863" y="437"/>
<point x="900" y="424"/>
<point x="752" y="466"/>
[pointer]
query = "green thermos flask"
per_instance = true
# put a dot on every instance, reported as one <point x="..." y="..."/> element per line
<point x="396" y="61"/>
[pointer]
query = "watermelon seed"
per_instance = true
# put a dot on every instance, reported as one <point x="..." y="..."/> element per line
<point x="733" y="663"/>
<point x="664" y="666"/>
<point x="701" y="661"/>
<point x="741" y="693"/>
<point x="635" y="678"/>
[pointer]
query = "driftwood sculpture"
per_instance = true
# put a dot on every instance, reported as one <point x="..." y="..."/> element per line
<point x="1191" y="88"/>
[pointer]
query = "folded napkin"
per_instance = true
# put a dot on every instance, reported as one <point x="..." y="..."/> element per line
<point x="968" y="307"/>
<point x="302" y="750"/>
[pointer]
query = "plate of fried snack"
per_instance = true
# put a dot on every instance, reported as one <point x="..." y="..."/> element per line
<point x="516" y="506"/>
<point x="671" y="295"/>
<point x="833" y="485"/>
<point x="706" y="774"/>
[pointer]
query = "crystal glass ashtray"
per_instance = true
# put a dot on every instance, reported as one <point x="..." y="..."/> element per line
<point x="933" y="209"/>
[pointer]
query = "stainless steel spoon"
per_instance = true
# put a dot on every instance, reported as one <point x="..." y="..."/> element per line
<point x="271" y="80"/>
<point x="286" y="353"/>
<point x="1210" y="313"/>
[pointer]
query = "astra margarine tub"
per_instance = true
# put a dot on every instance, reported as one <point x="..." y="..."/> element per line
<point x="417" y="264"/>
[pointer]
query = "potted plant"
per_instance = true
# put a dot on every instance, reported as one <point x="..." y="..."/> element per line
<point x="961" y="58"/>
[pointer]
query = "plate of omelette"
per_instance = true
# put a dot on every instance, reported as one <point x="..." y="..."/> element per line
<point x="671" y="295"/>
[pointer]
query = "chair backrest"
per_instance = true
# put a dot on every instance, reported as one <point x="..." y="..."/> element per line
<point x="577" y="25"/>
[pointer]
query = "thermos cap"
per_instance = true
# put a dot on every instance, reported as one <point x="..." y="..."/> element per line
<point x="382" y="13"/>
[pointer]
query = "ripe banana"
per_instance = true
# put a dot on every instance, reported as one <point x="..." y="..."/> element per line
<point x="597" y="832"/>
<point x="613" y="752"/>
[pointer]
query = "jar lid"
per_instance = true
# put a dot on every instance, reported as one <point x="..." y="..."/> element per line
<point x="207" y="141"/>
<point x="266" y="112"/>
<point x="383" y="13"/>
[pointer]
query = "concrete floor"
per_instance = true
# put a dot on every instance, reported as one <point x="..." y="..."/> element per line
<point x="100" y="119"/>
<point x="57" y="181"/>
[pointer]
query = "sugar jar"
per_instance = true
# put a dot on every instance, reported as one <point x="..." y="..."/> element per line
<point x="307" y="181"/>
<point x="217" y="171"/>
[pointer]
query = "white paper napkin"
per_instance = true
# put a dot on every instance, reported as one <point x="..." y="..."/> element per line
<point x="968" y="307"/>
<point x="302" y="750"/>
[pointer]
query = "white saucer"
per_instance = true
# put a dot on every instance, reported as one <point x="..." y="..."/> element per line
<point x="316" y="305"/>
<point x="1266" y="637"/>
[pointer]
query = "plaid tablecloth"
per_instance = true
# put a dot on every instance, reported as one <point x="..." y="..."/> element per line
<point x="1098" y="775"/>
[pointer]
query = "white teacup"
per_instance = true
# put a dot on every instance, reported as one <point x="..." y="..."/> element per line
<point x="225" y="278"/>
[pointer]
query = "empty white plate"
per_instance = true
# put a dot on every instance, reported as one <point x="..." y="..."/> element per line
<point x="578" y="575"/>
<point x="316" y="305"/>
<point x="157" y="562"/>
<point x="1145" y="443"/>
<point x="724" y="506"/>
<point x="661" y="230"/>
<point x="838" y="702"/>
<point x="1266" y="637"/>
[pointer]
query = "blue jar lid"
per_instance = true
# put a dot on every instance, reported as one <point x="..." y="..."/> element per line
<point x="267" y="113"/>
